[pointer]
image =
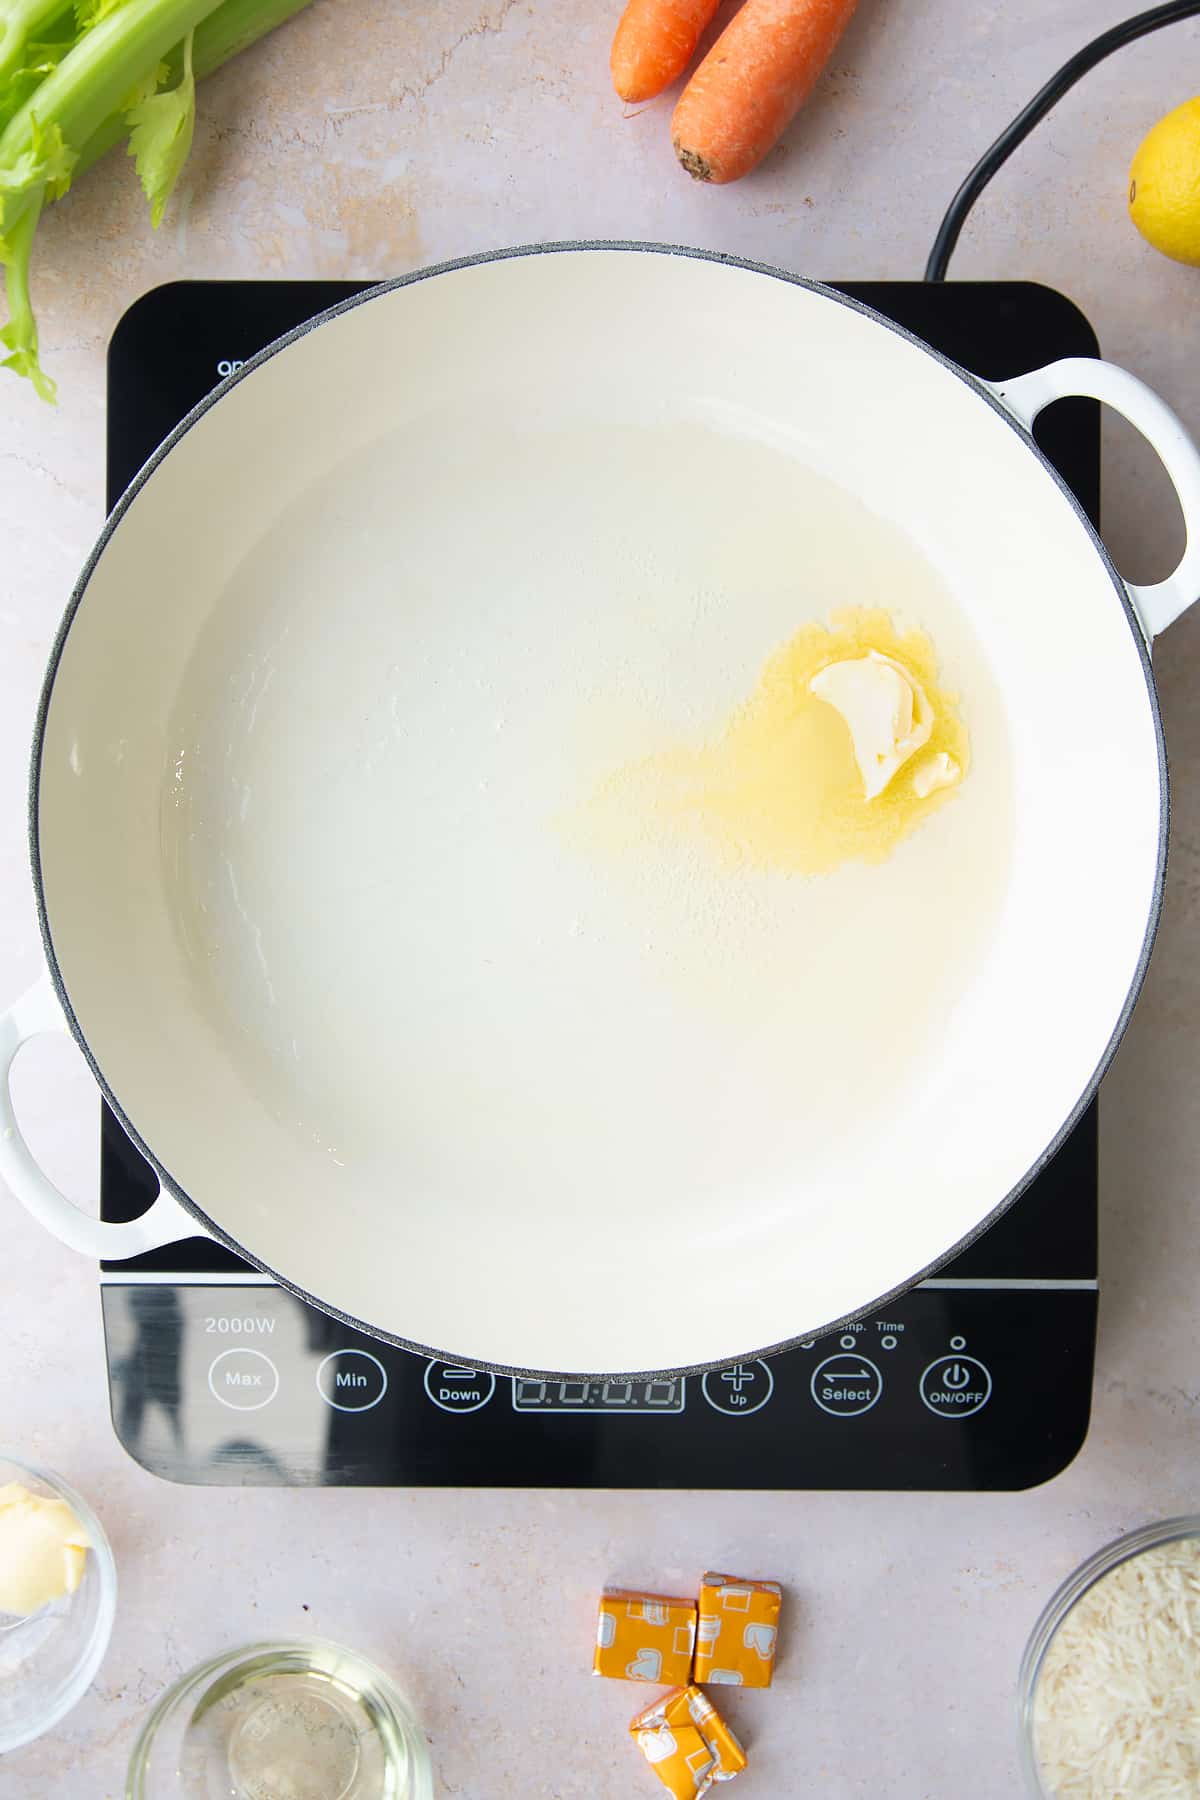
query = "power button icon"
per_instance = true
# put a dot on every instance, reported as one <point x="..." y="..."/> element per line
<point x="954" y="1387"/>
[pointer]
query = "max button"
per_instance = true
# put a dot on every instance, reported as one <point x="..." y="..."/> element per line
<point x="243" y="1379"/>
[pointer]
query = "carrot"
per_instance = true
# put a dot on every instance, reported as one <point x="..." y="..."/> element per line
<point x="752" y="83"/>
<point x="654" y="44"/>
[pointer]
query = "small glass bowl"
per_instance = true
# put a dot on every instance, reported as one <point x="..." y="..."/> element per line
<point x="49" y="1660"/>
<point x="299" y="1716"/>
<point x="1150" y="1537"/>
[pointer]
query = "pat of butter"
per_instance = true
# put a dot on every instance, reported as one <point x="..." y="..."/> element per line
<point x="886" y="711"/>
<point x="43" y="1549"/>
<point x="937" y="771"/>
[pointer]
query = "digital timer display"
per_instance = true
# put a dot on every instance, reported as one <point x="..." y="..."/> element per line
<point x="666" y="1396"/>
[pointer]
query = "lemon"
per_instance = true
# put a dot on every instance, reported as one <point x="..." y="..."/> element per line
<point x="1164" y="184"/>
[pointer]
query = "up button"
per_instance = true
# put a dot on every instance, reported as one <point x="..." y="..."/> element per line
<point x="956" y="1386"/>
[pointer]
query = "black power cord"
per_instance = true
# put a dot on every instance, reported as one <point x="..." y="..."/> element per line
<point x="1016" y="133"/>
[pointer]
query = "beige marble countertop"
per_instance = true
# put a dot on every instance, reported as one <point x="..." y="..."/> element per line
<point x="369" y="137"/>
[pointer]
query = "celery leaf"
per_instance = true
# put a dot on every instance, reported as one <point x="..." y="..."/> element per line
<point x="147" y="85"/>
<point x="45" y="164"/>
<point x="160" y="136"/>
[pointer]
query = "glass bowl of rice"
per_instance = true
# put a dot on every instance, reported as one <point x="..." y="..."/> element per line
<point x="1109" y="1692"/>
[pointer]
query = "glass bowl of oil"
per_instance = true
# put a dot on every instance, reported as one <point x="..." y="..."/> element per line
<point x="297" y="1719"/>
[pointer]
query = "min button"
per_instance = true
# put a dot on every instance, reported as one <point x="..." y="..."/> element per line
<point x="352" y="1381"/>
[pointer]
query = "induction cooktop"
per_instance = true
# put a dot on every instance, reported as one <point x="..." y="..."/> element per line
<point x="977" y="1379"/>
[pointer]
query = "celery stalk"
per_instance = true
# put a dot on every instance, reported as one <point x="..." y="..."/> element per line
<point x="22" y="21"/>
<point x="234" y="26"/>
<point x="20" y="334"/>
<point x="94" y="78"/>
<point x="75" y="99"/>
<point x="225" y="33"/>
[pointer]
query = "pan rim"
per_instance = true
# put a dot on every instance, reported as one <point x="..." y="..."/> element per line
<point x="577" y="247"/>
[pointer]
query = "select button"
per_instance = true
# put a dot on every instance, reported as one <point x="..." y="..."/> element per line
<point x="846" y="1385"/>
<point x="351" y="1381"/>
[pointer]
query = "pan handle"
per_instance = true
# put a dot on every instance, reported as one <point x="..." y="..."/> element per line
<point x="165" y="1222"/>
<point x="1158" y="604"/>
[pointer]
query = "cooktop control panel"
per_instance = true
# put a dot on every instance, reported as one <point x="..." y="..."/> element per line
<point x="949" y="1388"/>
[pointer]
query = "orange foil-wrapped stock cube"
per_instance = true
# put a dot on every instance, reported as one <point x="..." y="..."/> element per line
<point x="645" y="1637"/>
<point x="687" y="1743"/>
<point x="738" y="1627"/>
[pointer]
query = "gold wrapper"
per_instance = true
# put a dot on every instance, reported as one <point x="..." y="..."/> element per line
<point x="737" y="1633"/>
<point x="687" y="1743"/>
<point x="645" y="1637"/>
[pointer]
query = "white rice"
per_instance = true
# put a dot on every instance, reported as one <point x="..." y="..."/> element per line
<point x="1117" y="1702"/>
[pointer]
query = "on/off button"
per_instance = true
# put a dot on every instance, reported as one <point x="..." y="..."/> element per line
<point x="956" y="1386"/>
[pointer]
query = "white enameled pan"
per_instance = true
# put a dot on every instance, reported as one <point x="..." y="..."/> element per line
<point x="350" y="657"/>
